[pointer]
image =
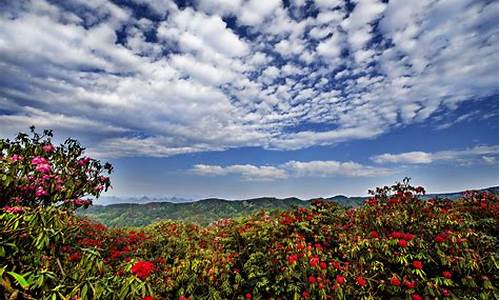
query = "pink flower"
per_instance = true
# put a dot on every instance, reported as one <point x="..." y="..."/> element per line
<point x="49" y="148"/>
<point x="37" y="160"/>
<point x="40" y="192"/>
<point x="82" y="202"/>
<point x="13" y="209"/>
<point x="16" y="157"/>
<point x="43" y="168"/>
<point x="84" y="161"/>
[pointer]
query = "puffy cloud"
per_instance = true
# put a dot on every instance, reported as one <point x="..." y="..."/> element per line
<point x="335" y="168"/>
<point x="253" y="12"/>
<point x="420" y="157"/>
<point x="231" y="74"/>
<point x="293" y="169"/>
<point x="415" y="157"/>
<point x="248" y="172"/>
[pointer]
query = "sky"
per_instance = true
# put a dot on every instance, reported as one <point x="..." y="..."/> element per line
<point x="240" y="99"/>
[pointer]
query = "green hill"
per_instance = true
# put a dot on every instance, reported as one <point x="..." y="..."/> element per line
<point x="208" y="210"/>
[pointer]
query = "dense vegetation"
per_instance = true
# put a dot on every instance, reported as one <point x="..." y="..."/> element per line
<point x="394" y="246"/>
<point x="206" y="211"/>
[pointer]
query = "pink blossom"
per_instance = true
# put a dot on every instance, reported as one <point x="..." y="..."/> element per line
<point x="43" y="168"/>
<point x="16" y="157"/>
<point x="37" y="160"/>
<point x="84" y="161"/>
<point x="40" y="192"/>
<point x="49" y="148"/>
<point x="82" y="202"/>
<point x="13" y="209"/>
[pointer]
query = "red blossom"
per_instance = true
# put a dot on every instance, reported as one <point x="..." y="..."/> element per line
<point x="417" y="264"/>
<point x="447" y="274"/>
<point x="410" y="284"/>
<point x="408" y="236"/>
<point x="416" y="297"/>
<point x="395" y="281"/>
<point x="142" y="269"/>
<point x="323" y="265"/>
<point x="148" y="298"/>
<point x="314" y="261"/>
<point x="76" y="256"/>
<point x="248" y="296"/>
<point x="292" y="259"/>
<point x="374" y="234"/>
<point x="312" y="279"/>
<point x="445" y="293"/>
<point x="403" y="243"/>
<point x="340" y="279"/>
<point x="360" y="280"/>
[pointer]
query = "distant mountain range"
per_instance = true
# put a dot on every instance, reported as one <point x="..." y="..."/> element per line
<point x="207" y="210"/>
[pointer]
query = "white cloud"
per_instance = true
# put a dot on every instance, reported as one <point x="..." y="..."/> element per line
<point x="190" y="82"/>
<point x="254" y="12"/>
<point x="415" y="157"/>
<point x="420" y="157"/>
<point x="293" y="169"/>
<point x="248" y="172"/>
<point x="335" y="168"/>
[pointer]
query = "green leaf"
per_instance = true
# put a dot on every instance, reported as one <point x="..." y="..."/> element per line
<point x="20" y="279"/>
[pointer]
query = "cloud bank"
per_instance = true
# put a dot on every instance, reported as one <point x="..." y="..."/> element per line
<point x="165" y="80"/>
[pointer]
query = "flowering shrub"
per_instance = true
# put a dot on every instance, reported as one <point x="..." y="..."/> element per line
<point x="394" y="247"/>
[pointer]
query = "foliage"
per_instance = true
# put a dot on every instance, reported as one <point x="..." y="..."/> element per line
<point x="396" y="246"/>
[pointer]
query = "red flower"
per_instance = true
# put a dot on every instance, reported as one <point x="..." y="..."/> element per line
<point x="441" y="237"/>
<point x="314" y="261"/>
<point x="396" y="235"/>
<point x="410" y="284"/>
<point x="395" y="281"/>
<point x="374" y="234"/>
<point x="403" y="243"/>
<point x="447" y="274"/>
<point x="75" y="256"/>
<point x="248" y="296"/>
<point x="416" y="297"/>
<point x="360" y="280"/>
<point x="445" y="293"/>
<point x="340" y="279"/>
<point x="148" y="298"/>
<point x="312" y="279"/>
<point x="142" y="269"/>
<point x="408" y="236"/>
<point x="183" y="298"/>
<point x="323" y="265"/>
<point x="417" y="264"/>
<point x="306" y="294"/>
<point x="292" y="259"/>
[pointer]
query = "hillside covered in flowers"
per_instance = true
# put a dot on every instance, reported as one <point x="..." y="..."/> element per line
<point x="393" y="247"/>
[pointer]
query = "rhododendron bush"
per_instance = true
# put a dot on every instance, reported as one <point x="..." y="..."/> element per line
<point x="394" y="247"/>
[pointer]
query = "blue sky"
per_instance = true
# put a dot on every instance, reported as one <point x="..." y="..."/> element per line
<point x="241" y="99"/>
